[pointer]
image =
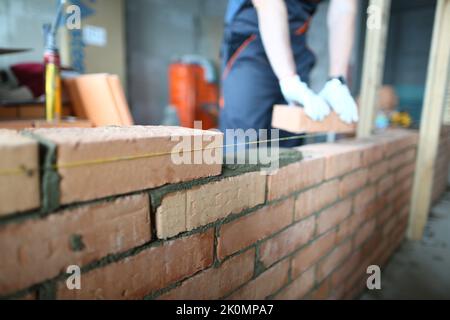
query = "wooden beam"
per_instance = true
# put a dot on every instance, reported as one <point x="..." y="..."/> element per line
<point x="435" y="99"/>
<point x="447" y="107"/>
<point x="373" y="64"/>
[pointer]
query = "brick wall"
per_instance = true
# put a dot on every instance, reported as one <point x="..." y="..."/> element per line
<point x="309" y="231"/>
<point x="441" y="167"/>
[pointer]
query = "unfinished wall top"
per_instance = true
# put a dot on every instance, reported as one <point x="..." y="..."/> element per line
<point x="83" y="164"/>
<point x="105" y="134"/>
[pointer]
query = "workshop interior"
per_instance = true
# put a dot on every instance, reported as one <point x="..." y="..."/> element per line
<point x="224" y="150"/>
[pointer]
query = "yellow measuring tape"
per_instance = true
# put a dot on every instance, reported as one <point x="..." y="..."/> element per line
<point x="71" y="165"/>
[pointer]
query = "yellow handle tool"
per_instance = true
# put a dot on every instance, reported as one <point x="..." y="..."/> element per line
<point x="53" y="92"/>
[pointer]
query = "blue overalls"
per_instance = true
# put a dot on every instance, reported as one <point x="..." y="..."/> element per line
<point x="250" y="88"/>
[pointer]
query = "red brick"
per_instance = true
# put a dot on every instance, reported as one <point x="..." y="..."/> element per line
<point x="364" y="198"/>
<point x="299" y="287"/>
<point x="407" y="185"/>
<point x="332" y="261"/>
<point x="337" y="293"/>
<point x="405" y="172"/>
<point x="332" y="216"/>
<point x="295" y="177"/>
<point x="399" y="233"/>
<point x="378" y="170"/>
<point x="371" y="245"/>
<point x="339" y="158"/>
<point x="376" y="207"/>
<point x="148" y="271"/>
<point x="396" y="140"/>
<point x="315" y="199"/>
<point x="85" y="145"/>
<point x="216" y="283"/>
<point x="402" y="159"/>
<point x="371" y="150"/>
<point x="384" y="215"/>
<point x="389" y="226"/>
<point x="287" y="241"/>
<point x="18" y="192"/>
<point x="265" y="284"/>
<point x="346" y="269"/>
<point x="404" y="213"/>
<point x="394" y="193"/>
<point x="353" y="284"/>
<point x="29" y="296"/>
<point x="378" y="255"/>
<point x="297" y="121"/>
<point x="364" y="232"/>
<point x="214" y="201"/>
<point x="37" y="250"/>
<point x="385" y="184"/>
<point x="357" y="289"/>
<point x="322" y="292"/>
<point x="349" y="226"/>
<point x="396" y="161"/>
<point x="308" y="256"/>
<point x="372" y="155"/>
<point x="187" y="210"/>
<point x="353" y="182"/>
<point x="401" y="202"/>
<point x="251" y="228"/>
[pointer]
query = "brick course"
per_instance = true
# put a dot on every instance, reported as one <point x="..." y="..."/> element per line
<point x="98" y="147"/>
<point x="149" y="271"/>
<point x="306" y="232"/>
<point x="35" y="251"/>
<point x="249" y="229"/>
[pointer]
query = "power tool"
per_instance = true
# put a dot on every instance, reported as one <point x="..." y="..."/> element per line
<point x="52" y="63"/>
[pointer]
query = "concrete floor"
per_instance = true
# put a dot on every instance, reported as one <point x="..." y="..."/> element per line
<point x="420" y="270"/>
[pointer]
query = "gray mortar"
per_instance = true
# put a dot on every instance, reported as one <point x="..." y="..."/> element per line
<point x="287" y="156"/>
<point x="50" y="178"/>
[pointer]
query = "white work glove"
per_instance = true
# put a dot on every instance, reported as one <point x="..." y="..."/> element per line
<point x="339" y="98"/>
<point x="297" y="92"/>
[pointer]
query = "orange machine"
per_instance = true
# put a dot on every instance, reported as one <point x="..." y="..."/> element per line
<point x="194" y="97"/>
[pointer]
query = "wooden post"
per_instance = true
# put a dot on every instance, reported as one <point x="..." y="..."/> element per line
<point x="447" y="107"/>
<point x="432" y="112"/>
<point x="373" y="65"/>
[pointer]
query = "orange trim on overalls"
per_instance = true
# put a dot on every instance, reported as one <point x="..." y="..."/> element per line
<point x="236" y="55"/>
<point x="303" y="28"/>
<point x="231" y="62"/>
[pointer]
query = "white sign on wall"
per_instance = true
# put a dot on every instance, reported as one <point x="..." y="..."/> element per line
<point x="95" y="36"/>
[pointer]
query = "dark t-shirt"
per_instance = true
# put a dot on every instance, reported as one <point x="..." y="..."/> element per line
<point x="241" y="17"/>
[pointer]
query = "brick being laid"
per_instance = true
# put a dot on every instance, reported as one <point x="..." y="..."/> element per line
<point x="294" y="119"/>
<point x="19" y="173"/>
<point x="99" y="162"/>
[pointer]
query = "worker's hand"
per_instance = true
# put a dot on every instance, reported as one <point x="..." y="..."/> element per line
<point x="339" y="98"/>
<point x="297" y="92"/>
